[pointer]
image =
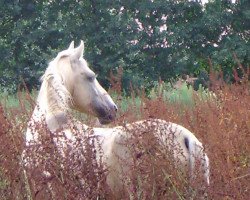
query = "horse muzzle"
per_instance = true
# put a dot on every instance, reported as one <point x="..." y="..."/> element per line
<point x="106" y="115"/>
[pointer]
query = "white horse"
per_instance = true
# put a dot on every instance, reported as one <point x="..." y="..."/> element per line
<point x="69" y="83"/>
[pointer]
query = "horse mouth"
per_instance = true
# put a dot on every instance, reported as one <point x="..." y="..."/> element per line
<point x="106" y="120"/>
<point x="105" y="115"/>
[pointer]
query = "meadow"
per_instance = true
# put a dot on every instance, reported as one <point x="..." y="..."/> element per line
<point x="219" y="117"/>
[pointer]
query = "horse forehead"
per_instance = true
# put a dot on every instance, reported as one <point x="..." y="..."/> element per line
<point x="84" y="67"/>
<point x="83" y="62"/>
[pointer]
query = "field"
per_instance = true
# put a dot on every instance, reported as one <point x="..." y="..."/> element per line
<point x="220" y="119"/>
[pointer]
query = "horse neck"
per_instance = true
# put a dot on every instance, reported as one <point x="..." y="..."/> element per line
<point x="49" y="109"/>
<point x="40" y="109"/>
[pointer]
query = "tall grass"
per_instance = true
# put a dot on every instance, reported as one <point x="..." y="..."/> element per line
<point x="223" y="126"/>
<point x="20" y="99"/>
<point x="9" y="100"/>
<point x="184" y="95"/>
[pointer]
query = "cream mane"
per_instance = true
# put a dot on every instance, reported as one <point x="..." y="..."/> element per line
<point x="58" y="97"/>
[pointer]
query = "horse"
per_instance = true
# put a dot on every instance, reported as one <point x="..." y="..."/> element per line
<point x="69" y="84"/>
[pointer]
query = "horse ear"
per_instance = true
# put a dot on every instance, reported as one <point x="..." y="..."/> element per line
<point x="71" y="46"/>
<point x="78" y="52"/>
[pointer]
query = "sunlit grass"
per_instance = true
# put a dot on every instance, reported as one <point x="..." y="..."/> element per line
<point x="184" y="95"/>
<point x="15" y="100"/>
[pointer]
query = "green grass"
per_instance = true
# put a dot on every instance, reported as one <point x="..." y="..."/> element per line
<point x="13" y="100"/>
<point x="126" y="102"/>
<point x="9" y="100"/>
<point x="185" y="95"/>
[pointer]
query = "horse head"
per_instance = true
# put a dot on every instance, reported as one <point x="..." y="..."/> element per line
<point x="87" y="95"/>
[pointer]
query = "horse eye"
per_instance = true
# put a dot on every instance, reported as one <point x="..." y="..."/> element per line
<point x="91" y="78"/>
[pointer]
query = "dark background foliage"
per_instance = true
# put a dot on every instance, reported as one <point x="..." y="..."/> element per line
<point x="149" y="39"/>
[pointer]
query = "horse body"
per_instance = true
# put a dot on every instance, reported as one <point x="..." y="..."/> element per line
<point x="117" y="154"/>
<point x="67" y="84"/>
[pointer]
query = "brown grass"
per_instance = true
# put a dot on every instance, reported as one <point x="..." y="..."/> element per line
<point x="222" y="125"/>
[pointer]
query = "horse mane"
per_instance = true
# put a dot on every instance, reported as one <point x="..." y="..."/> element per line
<point x="57" y="93"/>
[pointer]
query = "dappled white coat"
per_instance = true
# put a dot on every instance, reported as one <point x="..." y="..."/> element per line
<point x="114" y="149"/>
<point x="113" y="142"/>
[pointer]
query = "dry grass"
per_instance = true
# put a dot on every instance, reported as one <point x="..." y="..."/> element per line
<point x="222" y="125"/>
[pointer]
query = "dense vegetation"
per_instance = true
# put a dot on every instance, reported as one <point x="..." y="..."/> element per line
<point x="220" y="121"/>
<point x="146" y="43"/>
<point x="149" y="39"/>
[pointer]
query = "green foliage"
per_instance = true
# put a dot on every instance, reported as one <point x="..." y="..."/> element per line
<point x="184" y="95"/>
<point x="126" y="103"/>
<point x="202" y="80"/>
<point x="10" y="100"/>
<point x="149" y="39"/>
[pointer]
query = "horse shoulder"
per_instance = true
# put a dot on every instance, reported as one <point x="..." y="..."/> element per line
<point x="115" y="152"/>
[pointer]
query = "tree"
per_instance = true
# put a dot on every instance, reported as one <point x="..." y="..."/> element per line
<point x="149" y="39"/>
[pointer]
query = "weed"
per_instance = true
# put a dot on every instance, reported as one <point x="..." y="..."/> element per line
<point x="221" y="125"/>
